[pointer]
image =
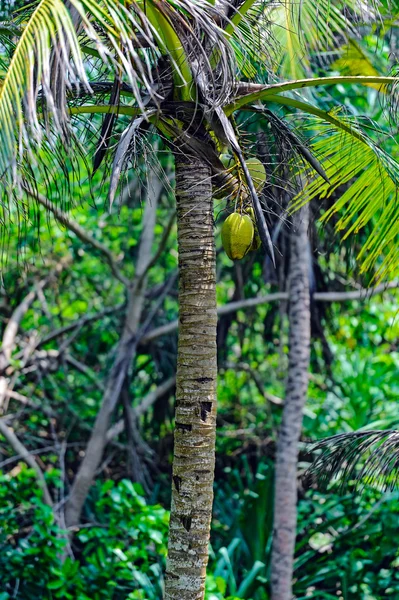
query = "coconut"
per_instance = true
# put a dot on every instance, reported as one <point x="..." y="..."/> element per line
<point x="237" y="235"/>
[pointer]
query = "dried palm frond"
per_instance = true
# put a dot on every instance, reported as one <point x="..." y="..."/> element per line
<point x="358" y="458"/>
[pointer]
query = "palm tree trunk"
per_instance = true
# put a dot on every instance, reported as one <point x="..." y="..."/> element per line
<point x="285" y="515"/>
<point x="195" y="424"/>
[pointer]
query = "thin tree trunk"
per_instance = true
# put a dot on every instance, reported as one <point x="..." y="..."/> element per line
<point x="285" y="513"/>
<point x="195" y="425"/>
<point x="124" y="357"/>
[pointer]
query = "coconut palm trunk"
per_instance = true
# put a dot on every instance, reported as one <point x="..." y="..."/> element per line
<point x="285" y="513"/>
<point x="195" y="424"/>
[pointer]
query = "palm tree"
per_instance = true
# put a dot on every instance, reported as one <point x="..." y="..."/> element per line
<point x="353" y="62"/>
<point x="181" y="69"/>
<point x="284" y="526"/>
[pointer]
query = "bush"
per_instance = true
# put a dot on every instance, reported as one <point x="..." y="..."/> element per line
<point x="119" y="555"/>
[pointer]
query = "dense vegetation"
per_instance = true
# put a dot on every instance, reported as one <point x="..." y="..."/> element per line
<point x="69" y="266"/>
<point x="345" y="544"/>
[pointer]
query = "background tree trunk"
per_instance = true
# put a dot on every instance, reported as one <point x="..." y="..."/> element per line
<point x="120" y="368"/>
<point x="195" y="425"/>
<point x="285" y="514"/>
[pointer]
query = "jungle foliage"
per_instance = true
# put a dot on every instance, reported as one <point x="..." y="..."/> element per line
<point x="66" y="260"/>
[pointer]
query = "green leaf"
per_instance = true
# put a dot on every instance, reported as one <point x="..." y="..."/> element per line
<point x="372" y="178"/>
<point x="260" y="93"/>
<point x="246" y="584"/>
<point x="56" y="584"/>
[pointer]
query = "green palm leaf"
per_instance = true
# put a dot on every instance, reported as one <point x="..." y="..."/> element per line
<point x="51" y="55"/>
<point x="371" y="179"/>
<point x="34" y="44"/>
<point x="30" y="78"/>
<point x="303" y="28"/>
<point x="354" y="60"/>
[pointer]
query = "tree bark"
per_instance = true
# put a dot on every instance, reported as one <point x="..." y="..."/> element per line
<point x="195" y="424"/>
<point x="285" y="513"/>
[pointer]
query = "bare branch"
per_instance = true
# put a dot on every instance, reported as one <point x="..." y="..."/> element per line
<point x="28" y="402"/>
<point x="361" y="294"/>
<point x="84" y="369"/>
<point x="124" y="357"/>
<point x="257" y="380"/>
<point x="144" y="261"/>
<point x="162" y="243"/>
<point x="12" y="327"/>
<point x="159" y="332"/>
<point x="24" y="453"/>
<point x="80" y="323"/>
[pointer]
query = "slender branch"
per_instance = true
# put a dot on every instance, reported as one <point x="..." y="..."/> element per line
<point x="162" y="243"/>
<point x="24" y="453"/>
<point x="160" y="300"/>
<point x="144" y="260"/>
<point x="9" y="335"/>
<point x="12" y="327"/>
<point x="125" y="355"/>
<point x="80" y="232"/>
<point x="28" y="402"/>
<point x="159" y="332"/>
<point x="84" y="369"/>
<point x="361" y="294"/>
<point x="80" y="323"/>
<point x="153" y="396"/>
<point x="257" y="380"/>
<point x="251" y="302"/>
<point x="45" y="450"/>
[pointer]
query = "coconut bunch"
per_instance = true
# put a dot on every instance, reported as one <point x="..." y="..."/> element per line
<point x="239" y="231"/>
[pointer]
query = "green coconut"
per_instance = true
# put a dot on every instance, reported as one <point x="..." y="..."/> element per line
<point x="223" y="190"/>
<point x="257" y="172"/>
<point x="237" y="235"/>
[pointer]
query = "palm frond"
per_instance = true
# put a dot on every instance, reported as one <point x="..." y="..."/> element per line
<point x="19" y="90"/>
<point x="357" y="458"/>
<point x="354" y="60"/>
<point x="371" y="179"/>
<point x="303" y="28"/>
<point x="123" y="40"/>
<point x="124" y="151"/>
<point x="252" y="40"/>
<point x="28" y="91"/>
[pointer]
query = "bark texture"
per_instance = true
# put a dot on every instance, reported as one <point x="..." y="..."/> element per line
<point x="285" y="513"/>
<point x="195" y="425"/>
